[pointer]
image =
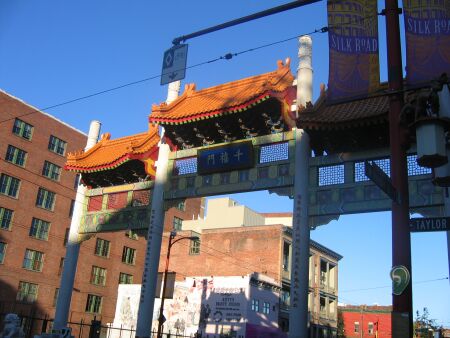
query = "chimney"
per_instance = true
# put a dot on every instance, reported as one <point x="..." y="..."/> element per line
<point x="304" y="71"/>
<point x="173" y="91"/>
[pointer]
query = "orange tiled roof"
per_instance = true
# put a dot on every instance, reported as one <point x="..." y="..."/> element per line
<point x="226" y="98"/>
<point x="108" y="154"/>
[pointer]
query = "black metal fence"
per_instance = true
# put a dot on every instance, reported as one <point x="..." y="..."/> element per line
<point x="32" y="326"/>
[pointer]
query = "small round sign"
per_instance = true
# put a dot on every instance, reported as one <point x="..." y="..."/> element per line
<point x="400" y="279"/>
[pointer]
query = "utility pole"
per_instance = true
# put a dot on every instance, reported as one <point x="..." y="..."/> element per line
<point x="401" y="241"/>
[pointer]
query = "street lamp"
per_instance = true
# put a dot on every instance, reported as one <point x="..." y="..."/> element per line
<point x="161" y="318"/>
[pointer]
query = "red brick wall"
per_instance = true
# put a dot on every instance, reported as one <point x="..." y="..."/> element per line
<point x="372" y="314"/>
<point x="228" y="252"/>
<point x="17" y="239"/>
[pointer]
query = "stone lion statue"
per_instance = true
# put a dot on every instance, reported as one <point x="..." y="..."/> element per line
<point x="12" y="327"/>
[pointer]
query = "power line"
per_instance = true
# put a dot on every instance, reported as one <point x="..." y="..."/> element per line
<point x="227" y="56"/>
<point x="390" y="286"/>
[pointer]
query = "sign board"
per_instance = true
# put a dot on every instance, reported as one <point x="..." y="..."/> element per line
<point x="228" y="157"/>
<point x="174" y="64"/>
<point x="400" y="279"/>
<point x="379" y="177"/>
<point x="429" y="224"/>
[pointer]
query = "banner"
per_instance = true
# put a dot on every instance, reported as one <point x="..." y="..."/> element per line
<point x="427" y="26"/>
<point x="353" y="45"/>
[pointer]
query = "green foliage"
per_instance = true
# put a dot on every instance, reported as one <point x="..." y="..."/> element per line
<point x="340" y="325"/>
<point x="424" y="326"/>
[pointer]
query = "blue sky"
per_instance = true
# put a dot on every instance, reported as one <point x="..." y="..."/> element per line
<point x="53" y="51"/>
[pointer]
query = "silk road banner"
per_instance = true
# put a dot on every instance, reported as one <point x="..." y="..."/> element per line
<point x="353" y="45"/>
<point x="427" y="26"/>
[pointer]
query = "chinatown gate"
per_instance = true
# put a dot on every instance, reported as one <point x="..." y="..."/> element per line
<point x="248" y="135"/>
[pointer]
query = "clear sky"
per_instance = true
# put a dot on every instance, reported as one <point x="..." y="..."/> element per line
<point x="54" y="51"/>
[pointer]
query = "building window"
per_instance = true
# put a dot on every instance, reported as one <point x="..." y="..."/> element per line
<point x="323" y="273"/>
<point x="45" y="199"/>
<point x="128" y="255"/>
<point x="27" y="292"/>
<point x="61" y="266"/>
<point x="356" y="330"/>
<point x="177" y="222"/>
<point x="370" y="328"/>
<point x="51" y="170"/>
<point x="255" y="305"/>
<point x="125" y="278"/>
<point x="23" y="129"/>
<point x="98" y="275"/>
<point x="285" y="298"/>
<point x="33" y="260"/>
<point x="55" y="297"/>
<point x="266" y="308"/>
<point x="39" y="229"/>
<point x="5" y="218"/>
<point x="9" y="185"/>
<point x="194" y="247"/>
<point x="286" y="256"/>
<point x="66" y="236"/>
<point x="181" y="206"/>
<point x="323" y="307"/>
<point x="76" y="182"/>
<point x="102" y="247"/>
<point x="71" y="208"/>
<point x="93" y="304"/>
<point x="57" y="145"/>
<point x="2" y="252"/>
<point x="16" y="155"/>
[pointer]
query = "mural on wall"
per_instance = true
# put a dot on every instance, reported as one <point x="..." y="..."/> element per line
<point x="207" y="305"/>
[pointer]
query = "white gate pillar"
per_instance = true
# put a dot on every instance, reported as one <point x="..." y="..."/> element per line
<point x="73" y="245"/>
<point x="298" y="316"/>
<point x="154" y="238"/>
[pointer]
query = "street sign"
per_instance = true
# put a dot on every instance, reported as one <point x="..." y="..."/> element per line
<point x="379" y="177"/>
<point x="429" y="224"/>
<point x="174" y="64"/>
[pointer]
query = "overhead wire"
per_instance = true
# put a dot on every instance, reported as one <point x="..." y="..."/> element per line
<point x="226" y="56"/>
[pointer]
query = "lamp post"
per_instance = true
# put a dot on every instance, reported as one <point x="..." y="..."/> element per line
<point x="161" y="318"/>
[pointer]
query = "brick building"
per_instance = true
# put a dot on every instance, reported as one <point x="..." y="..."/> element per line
<point x="36" y="201"/>
<point x="236" y="241"/>
<point x="366" y="321"/>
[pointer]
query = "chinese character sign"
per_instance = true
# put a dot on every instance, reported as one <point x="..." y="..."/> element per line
<point x="225" y="158"/>
<point x="353" y="48"/>
<point x="427" y="26"/>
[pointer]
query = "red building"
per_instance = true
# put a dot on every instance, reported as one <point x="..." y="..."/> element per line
<point x="36" y="203"/>
<point x="366" y="321"/>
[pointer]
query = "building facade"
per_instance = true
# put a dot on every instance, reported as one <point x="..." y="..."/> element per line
<point x="36" y="203"/>
<point x="235" y="240"/>
<point x="366" y="321"/>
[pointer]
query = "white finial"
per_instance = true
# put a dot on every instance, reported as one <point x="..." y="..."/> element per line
<point x="173" y="91"/>
<point x="304" y="71"/>
<point x="94" y="132"/>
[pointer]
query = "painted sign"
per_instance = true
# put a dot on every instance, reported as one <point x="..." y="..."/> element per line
<point x="228" y="157"/>
<point x="202" y="306"/>
<point x="133" y="218"/>
<point x="174" y="64"/>
<point x="400" y="279"/>
<point x="353" y="48"/>
<point x="429" y="224"/>
<point x="427" y="25"/>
